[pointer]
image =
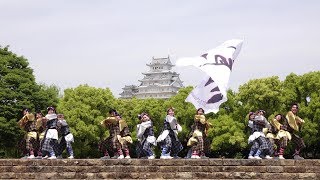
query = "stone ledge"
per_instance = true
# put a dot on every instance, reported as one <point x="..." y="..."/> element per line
<point x="159" y="169"/>
<point x="152" y="175"/>
<point x="158" y="162"/>
<point x="165" y="169"/>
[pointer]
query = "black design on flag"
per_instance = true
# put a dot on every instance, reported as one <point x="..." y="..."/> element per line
<point x="217" y="97"/>
<point x="220" y="60"/>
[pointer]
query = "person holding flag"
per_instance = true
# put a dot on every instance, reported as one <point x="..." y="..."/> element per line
<point x="199" y="133"/>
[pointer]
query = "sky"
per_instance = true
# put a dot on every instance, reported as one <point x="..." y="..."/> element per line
<point x="107" y="44"/>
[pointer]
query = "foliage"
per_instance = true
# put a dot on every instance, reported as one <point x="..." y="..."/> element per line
<point x="84" y="108"/>
<point x="18" y="90"/>
<point x="225" y="134"/>
<point x="261" y="94"/>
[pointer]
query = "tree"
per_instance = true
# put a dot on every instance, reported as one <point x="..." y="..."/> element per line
<point x="265" y="93"/>
<point x="291" y="90"/>
<point x="18" y="90"/>
<point x="84" y="108"/>
<point x="130" y="108"/>
<point x="228" y="138"/>
<point x="308" y="86"/>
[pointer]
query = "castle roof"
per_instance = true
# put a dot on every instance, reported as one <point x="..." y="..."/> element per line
<point x="160" y="61"/>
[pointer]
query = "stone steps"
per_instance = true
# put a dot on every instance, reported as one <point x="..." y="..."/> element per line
<point x="159" y="169"/>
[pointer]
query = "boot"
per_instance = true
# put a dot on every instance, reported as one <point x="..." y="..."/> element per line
<point x="195" y="155"/>
<point x="164" y="154"/>
<point x="296" y="155"/>
<point x="106" y="155"/>
<point x="120" y="153"/>
<point x="127" y="154"/>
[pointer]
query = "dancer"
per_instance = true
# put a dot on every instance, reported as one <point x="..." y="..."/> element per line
<point x="66" y="137"/>
<point x="168" y="139"/>
<point x="254" y="143"/>
<point x="41" y="124"/>
<point x="51" y="136"/>
<point x="28" y="123"/>
<point x="111" y="143"/>
<point x="145" y="134"/>
<point x="124" y="137"/>
<point x="279" y="135"/>
<point x="199" y="133"/>
<point x="294" y="124"/>
<point x="265" y="147"/>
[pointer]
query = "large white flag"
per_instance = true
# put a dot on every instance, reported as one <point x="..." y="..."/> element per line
<point x="207" y="95"/>
<point x="217" y="64"/>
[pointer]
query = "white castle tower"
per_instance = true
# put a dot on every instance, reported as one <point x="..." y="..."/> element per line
<point x="159" y="82"/>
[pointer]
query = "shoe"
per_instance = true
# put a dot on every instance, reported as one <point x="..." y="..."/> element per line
<point x="31" y="157"/>
<point x="250" y="157"/>
<point x="268" y="157"/>
<point x="52" y="157"/>
<point x="195" y="157"/>
<point x="105" y="157"/>
<point x="297" y="157"/>
<point x="59" y="157"/>
<point x="281" y="157"/>
<point x="38" y="157"/>
<point x="128" y="157"/>
<point x="257" y="157"/>
<point x="204" y="157"/>
<point x="175" y="157"/>
<point x="163" y="157"/>
<point x="45" y="157"/>
<point x="151" y="157"/>
<point x="166" y="157"/>
<point x="71" y="157"/>
<point x="120" y="157"/>
<point x="25" y="157"/>
<point x="170" y="157"/>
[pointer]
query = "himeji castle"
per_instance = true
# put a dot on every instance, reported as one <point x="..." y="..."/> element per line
<point x="159" y="82"/>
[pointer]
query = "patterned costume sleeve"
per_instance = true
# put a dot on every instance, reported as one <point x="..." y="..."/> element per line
<point x="293" y="120"/>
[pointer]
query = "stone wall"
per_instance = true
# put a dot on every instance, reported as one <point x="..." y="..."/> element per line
<point x="159" y="169"/>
